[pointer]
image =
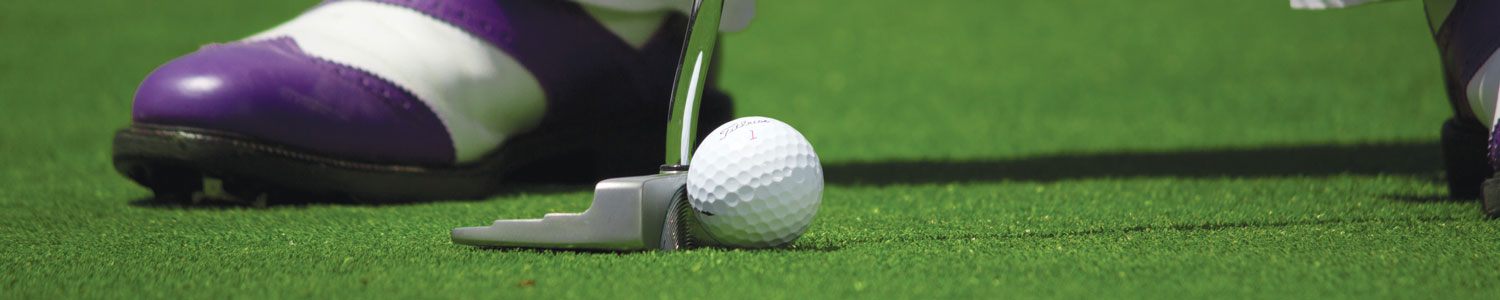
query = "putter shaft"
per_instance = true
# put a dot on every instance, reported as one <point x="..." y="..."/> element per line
<point x="692" y="73"/>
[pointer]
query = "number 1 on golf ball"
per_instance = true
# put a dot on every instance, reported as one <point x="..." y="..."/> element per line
<point x="755" y="182"/>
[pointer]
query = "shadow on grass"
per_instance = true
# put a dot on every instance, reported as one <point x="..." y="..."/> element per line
<point x="1181" y="227"/>
<point x="1428" y="199"/>
<point x="1222" y="226"/>
<point x="1403" y="158"/>
<point x="307" y="200"/>
<point x="548" y="251"/>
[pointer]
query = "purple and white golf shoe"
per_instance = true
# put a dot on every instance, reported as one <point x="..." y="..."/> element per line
<point x="1468" y="37"/>
<point x="412" y="100"/>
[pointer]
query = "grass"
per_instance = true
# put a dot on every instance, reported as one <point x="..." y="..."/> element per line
<point x="1026" y="149"/>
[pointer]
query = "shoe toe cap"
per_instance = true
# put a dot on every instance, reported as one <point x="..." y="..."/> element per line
<point x="272" y="92"/>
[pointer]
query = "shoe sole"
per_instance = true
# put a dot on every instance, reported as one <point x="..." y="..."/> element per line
<point x="1465" y="158"/>
<point x="175" y="161"/>
<point x="1490" y="203"/>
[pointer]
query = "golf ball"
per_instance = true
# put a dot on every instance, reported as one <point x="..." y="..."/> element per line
<point x="755" y="182"/>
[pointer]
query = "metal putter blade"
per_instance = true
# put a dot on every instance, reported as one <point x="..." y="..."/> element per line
<point x="627" y="214"/>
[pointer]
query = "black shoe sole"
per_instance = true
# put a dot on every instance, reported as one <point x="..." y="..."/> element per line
<point x="1490" y="203"/>
<point x="173" y="162"/>
<point x="1465" y="158"/>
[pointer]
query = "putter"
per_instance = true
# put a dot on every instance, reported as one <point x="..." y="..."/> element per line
<point x="640" y="212"/>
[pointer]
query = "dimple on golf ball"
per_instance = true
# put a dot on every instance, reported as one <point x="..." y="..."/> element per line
<point x="755" y="182"/>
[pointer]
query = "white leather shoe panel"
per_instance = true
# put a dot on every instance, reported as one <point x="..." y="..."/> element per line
<point x="481" y="94"/>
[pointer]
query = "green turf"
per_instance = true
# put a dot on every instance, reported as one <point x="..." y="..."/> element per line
<point x="974" y="149"/>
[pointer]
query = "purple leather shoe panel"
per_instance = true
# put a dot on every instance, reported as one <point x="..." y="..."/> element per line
<point x="581" y="65"/>
<point x="272" y="91"/>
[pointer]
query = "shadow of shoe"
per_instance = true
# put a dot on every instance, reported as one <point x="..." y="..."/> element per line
<point x="1405" y="158"/>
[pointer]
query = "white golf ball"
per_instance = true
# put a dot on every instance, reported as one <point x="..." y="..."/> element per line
<point x="755" y="183"/>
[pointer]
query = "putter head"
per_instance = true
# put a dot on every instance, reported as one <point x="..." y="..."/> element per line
<point x="628" y="213"/>
<point x="632" y="213"/>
